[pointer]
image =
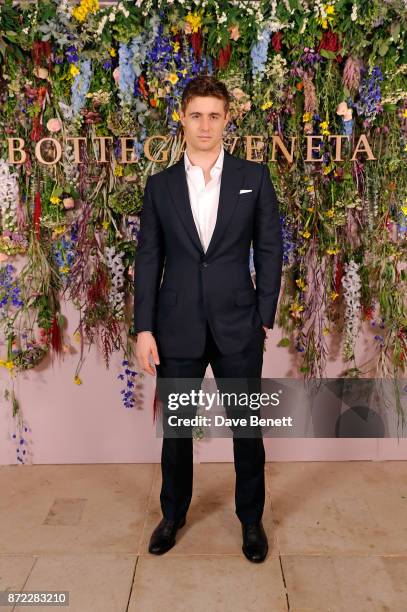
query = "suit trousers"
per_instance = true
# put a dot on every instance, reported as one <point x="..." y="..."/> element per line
<point x="249" y="455"/>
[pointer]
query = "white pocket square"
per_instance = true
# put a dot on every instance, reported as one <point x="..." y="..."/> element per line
<point x="245" y="190"/>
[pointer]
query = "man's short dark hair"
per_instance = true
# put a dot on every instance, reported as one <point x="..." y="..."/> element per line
<point x="205" y="85"/>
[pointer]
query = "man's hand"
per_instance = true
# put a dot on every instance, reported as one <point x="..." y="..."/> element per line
<point x="145" y="346"/>
<point x="265" y="329"/>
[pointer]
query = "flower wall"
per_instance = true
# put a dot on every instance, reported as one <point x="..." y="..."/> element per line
<point x="69" y="230"/>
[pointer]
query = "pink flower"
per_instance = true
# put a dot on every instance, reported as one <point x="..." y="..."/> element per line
<point x="68" y="203"/>
<point x="116" y="74"/>
<point x="54" y="125"/>
<point x="237" y="93"/>
<point x="234" y="32"/>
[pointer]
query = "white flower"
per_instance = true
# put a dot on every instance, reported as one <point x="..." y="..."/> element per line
<point x="114" y="262"/>
<point x="352" y="285"/>
<point x="8" y="196"/>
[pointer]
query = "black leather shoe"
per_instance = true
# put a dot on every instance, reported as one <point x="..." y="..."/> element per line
<point x="163" y="536"/>
<point x="255" y="545"/>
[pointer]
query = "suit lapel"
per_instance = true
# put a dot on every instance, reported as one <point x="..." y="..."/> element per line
<point x="231" y="180"/>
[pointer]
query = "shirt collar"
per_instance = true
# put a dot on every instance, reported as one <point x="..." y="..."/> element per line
<point x="218" y="165"/>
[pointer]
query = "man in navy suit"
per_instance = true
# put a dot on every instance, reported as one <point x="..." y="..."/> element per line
<point x="195" y="303"/>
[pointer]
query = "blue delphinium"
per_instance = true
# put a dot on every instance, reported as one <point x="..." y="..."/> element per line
<point x="80" y="86"/>
<point x="370" y="94"/>
<point x="127" y="74"/>
<point x="63" y="252"/>
<point x="21" y="452"/>
<point x="128" y="393"/>
<point x="258" y="53"/>
<point x="10" y="292"/>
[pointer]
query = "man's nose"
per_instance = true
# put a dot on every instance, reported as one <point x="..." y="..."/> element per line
<point x="204" y="125"/>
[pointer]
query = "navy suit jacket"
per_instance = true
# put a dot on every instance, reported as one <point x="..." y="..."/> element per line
<point x="179" y="287"/>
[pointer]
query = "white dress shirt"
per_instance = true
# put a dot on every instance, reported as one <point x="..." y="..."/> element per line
<point x="204" y="199"/>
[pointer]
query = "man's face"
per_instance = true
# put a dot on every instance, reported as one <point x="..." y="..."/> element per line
<point x="204" y="121"/>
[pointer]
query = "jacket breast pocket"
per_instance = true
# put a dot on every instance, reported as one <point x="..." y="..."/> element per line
<point x="167" y="297"/>
<point x="244" y="198"/>
<point x="245" y="297"/>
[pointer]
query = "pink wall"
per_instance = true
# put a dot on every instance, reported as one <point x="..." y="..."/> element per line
<point x="88" y="423"/>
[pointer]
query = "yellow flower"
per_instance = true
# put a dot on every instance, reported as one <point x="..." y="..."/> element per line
<point x="73" y="70"/>
<point x="175" y="116"/>
<point x="324" y="127"/>
<point x="172" y="77"/>
<point x="325" y="331"/>
<point x="333" y="251"/>
<point x="118" y="171"/>
<point x="329" y="10"/>
<point x="54" y="200"/>
<point x="77" y="380"/>
<point x="80" y="13"/>
<point x="310" y="188"/>
<point x="404" y="113"/>
<point x="404" y="210"/>
<point x="184" y="71"/>
<point x="112" y="52"/>
<point x="330" y="213"/>
<point x="295" y="309"/>
<point x="77" y="336"/>
<point x="327" y="169"/>
<point x="194" y="20"/>
<point x="174" y="29"/>
<point x="334" y="295"/>
<point x="324" y="24"/>
<point x="310" y="208"/>
<point x="64" y="269"/>
<point x="59" y="230"/>
<point x="176" y="46"/>
<point x="266" y="105"/>
<point x="306" y="234"/>
<point x="306" y="117"/>
<point x="105" y="224"/>
<point x="301" y="284"/>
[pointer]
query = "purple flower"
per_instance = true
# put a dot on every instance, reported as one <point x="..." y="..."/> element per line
<point x="370" y="95"/>
<point x="311" y="57"/>
<point x="72" y="54"/>
<point x="127" y="393"/>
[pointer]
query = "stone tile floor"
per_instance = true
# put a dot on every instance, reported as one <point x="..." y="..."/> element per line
<point x="337" y="539"/>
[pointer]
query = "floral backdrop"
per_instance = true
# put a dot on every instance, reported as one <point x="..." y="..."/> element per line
<point x="294" y="68"/>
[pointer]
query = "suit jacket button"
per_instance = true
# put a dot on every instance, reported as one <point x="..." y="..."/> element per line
<point x="205" y="264"/>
